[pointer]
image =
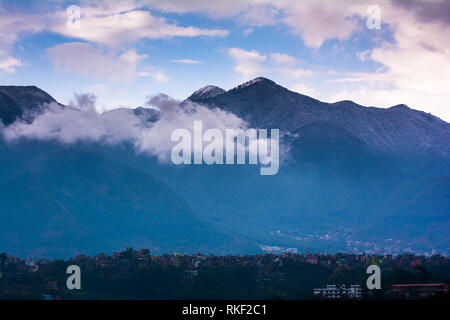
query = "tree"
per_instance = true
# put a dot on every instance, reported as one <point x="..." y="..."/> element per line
<point x="3" y="258"/>
<point x="128" y="253"/>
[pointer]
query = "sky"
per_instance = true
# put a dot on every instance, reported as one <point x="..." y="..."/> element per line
<point x="376" y="53"/>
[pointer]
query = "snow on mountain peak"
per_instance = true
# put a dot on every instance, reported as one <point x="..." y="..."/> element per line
<point x="207" y="92"/>
<point x="255" y="81"/>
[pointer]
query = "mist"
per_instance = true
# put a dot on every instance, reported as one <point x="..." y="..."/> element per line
<point x="148" y="131"/>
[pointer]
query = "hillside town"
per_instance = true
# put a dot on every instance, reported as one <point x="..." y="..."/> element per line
<point x="138" y="274"/>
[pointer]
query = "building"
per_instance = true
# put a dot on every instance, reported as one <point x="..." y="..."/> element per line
<point x="417" y="291"/>
<point x="339" y="292"/>
<point x="51" y="286"/>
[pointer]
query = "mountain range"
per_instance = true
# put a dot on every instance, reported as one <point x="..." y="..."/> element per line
<point x="356" y="178"/>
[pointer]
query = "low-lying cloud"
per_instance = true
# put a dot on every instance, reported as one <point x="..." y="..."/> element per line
<point x="148" y="130"/>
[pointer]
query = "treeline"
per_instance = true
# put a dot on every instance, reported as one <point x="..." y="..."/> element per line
<point x="287" y="279"/>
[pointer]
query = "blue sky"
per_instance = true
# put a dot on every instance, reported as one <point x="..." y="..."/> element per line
<point x="124" y="51"/>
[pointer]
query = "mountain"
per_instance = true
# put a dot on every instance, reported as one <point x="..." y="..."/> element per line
<point x="147" y="114"/>
<point x="207" y="92"/>
<point x="62" y="201"/>
<point x="25" y="102"/>
<point x="354" y="178"/>
<point x="355" y="168"/>
<point x="398" y="131"/>
<point x="18" y="101"/>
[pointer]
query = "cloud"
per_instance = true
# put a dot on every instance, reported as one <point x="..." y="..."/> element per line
<point x="315" y="21"/>
<point x="251" y="63"/>
<point x="415" y="66"/>
<point x="217" y="9"/>
<point x="158" y="76"/>
<point x="108" y="26"/>
<point x="258" y="16"/>
<point x="70" y="125"/>
<point x="10" y="64"/>
<point x="186" y="61"/>
<point x="13" y="25"/>
<point x="295" y="72"/>
<point x="247" y="31"/>
<point x="302" y="89"/>
<point x="85" y="59"/>
<point x="427" y="11"/>
<point x="363" y="55"/>
<point x="318" y="21"/>
<point x="241" y="54"/>
<point x="85" y="102"/>
<point x="112" y="23"/>
<point x="248" y="63"/>
<point x="284" y="59"/>
<point x="80" y="122"/>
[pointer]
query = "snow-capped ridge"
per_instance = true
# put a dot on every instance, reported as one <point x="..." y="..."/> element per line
<point x="206" y="92"/>
<point x="258" y="80"/>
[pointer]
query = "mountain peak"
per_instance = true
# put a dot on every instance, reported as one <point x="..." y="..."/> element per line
<point x="400" y="107"/>
<point x="24" y="91"/>
<point x="206" y="93"/>
<point x="147" y="114"/>
<point x="15" y="101"/>
<point x="261" y="80"/>
<point x="257" y="81"/>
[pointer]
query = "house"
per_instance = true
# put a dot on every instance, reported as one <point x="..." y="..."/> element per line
<point x="416" y="291"/>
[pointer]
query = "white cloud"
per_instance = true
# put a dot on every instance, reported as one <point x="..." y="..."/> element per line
<point x="241" y="54"/>
<point x="248" y="63"/>
<point x="217" y="9"/>
<point x="13" y="25"/>
<point x="70" y="125"/>
<point x="314" y="20"/>
<point x="321" y="20"/>
<point x="284" y="59"/>
<point x="109" y="26"/>
<point x="251" y="63"/>
<point x="85" y="59"/>
<point x="295" y="72"/>
<point x="103" y="22"/>
<point x="258" y="16"/>
<point x="363" y="55"/>
<point x="300" y="88"/>
<point x="247" y="31"/>
<point x="186" y="61"/>
<point x="10" y="64"/>
<point x="85" y="102"/>
<point x="158" y="75"/>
